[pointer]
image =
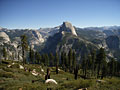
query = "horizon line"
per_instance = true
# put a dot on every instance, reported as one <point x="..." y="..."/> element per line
<point x="60" y="25"/>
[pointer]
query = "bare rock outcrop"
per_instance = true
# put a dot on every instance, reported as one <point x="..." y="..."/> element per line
<point x="67" y="27"/>
<point x="4" y="37"/>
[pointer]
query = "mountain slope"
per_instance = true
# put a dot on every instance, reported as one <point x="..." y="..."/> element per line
<point x="64" y="37"/>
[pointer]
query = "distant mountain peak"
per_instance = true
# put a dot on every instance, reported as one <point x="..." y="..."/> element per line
<point x="67" y="27"/>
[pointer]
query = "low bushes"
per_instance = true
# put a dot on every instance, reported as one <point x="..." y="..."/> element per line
<point x="7" y="69"/>
<point x="15" y="66"/>
<point x="7" y="75"/>
<point x="76" y="84"/>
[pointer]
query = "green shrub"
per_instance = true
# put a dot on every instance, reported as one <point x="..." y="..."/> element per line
<point x="78" y="84"/>
<point x="7" y="69"/>
<point x="7" y="75"/>
<point x="31" y="86"/>
<point x="15" y="66"/>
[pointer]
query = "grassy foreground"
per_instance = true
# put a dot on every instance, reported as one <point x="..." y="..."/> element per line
<point x="14" y="78"/>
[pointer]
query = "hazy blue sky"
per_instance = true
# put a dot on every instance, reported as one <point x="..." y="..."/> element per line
<point x="51" y="13"/>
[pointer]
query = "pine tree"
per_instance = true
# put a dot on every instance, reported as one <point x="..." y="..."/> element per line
<point x="4" y="53"/>
<point x="74" y="60"/>
<point x="112" y="67"/>
<point x="31" y="55"/>
<point x="18" y="52"/>
<point x="24" y="46"/>
<point x="104" y="69"/>
<point x="57" y="58"/>
<point x="101" y="60"/>
<point x="70" y="57"/>
<point x="48" y="74"/>
<point x="93" y="56"/>
<point x="37" y="57"/>
<point x="46" y="60"/>
<point x="84" y="65"/>
<point x="66" y="61"/>
<point x="89" y="62"/>
<point x="43" y="59"/>
<point x="62" y="59"/>
<point x="18" y="57"/>
<point x="76" y="72"/>
<point x="57" y="62"/>
<point x="51" y="59"/>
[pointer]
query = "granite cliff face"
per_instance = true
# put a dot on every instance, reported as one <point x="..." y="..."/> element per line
<point x="67" y="27"/>
<point x="37" y="37"/>
<point x="4" y="38"/>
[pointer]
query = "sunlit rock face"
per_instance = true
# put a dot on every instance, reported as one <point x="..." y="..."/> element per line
<point x="67" y="27"/>
<point x="4" y="37"/>
<point x="37" y="37"/>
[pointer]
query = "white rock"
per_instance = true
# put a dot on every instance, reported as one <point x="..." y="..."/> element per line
<point x="63" y="32"/>
<point x="58" y="69"/>
<point x="21" y="67"/>
<point x="42" y="70"/>
<point x="9" y="66"/>
<point x="83" y="89"/>
<point x="13" y="63"/>
<point x="35" y="74"/>
<point x="50" y="81"/>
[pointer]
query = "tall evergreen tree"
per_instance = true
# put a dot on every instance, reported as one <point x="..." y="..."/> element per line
<point x="89" y="64"/>
<point x="62" y="59"/>
<point x="4" y="53"/>
<point x="57" y="62"/>
<point x="43" y="59"/>
<point x="56" y="59"/>
<point x="31" y="56"/>
<point x="112" y="67"/>
<point x="101" y="60"/>
<point x="24" y="45"/>
<point x="74" y="60"/>
<point x="46" y="60"/>
<point x="93" y="55"/>
<point x="38" y="57"/>
<point x="70" y="57"/>
<point x="51" y="59"/>
<point x="76" y="72"/>
<point x="84" y="65"/>
<point x="66" y="60"/>
<point x="104" y="69"/>
<point x="18" y="53"/>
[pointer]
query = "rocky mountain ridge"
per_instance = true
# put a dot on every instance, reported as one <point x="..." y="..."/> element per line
<point x="64" y="37"/>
